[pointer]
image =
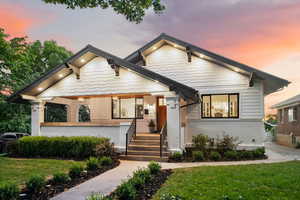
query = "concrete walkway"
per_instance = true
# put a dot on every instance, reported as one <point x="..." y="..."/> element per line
<point x="108" y="181"/>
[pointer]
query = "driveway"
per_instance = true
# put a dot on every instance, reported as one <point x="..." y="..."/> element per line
<point x="107" y="182"/>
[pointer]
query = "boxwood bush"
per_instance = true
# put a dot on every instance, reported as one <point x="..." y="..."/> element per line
<point x="35" y="183"/>
<point x="63" y="147"/>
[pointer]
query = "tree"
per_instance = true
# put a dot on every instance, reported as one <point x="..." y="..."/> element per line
<point x="133" y="10"/>
<point x="22" y="62"/>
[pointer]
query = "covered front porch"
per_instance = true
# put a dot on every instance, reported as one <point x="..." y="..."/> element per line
<point x="110" y="116"/>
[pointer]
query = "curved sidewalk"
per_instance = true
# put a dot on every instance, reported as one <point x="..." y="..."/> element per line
<point x="107" y="182"/>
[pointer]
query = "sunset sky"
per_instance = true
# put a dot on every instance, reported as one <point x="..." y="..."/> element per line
<point x="264" y="34"/>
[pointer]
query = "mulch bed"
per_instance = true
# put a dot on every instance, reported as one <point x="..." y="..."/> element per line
<point x="150" y="188"/>
<point x="51" y="189"/>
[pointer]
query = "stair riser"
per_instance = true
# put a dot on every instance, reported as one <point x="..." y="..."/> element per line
<point x="147" y="138"/>
<point x="148" y="153"/>
<point x="145" y="159"/>
<point x="137" y="148"/>
<point x="145" y="142"/>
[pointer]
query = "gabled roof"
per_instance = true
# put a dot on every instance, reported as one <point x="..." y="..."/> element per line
<point x="271" y="83"/>
<point x="88" y="53"/>
<point x="288" y="102"/>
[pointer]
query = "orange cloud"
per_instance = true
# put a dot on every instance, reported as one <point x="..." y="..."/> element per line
<point x="18" y="20"/>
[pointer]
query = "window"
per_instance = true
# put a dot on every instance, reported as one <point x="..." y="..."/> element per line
<point x="54" y="112"/>
<point x="220" y="106"/>
<point x="84" y="113"/>
<point x="292" y="114"/>
<point x="281" y="115"/>
<point x="127" y="108"/>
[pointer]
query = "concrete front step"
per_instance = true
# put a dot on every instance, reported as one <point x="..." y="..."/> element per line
<point x="147" y="137"/>
<point x="144" y="147"/>
<point x="144" y="158"/>
<point x="147" y="153"/>
<point x="146" y="142"/>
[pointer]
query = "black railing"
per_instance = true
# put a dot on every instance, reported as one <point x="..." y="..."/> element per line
<point x="130" y="134"/>
<point x="163" y="136"/>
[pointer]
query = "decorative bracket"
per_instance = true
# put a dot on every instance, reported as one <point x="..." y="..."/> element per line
<point x="114" y="66"/>
<point x="189" y="53"/>
<point x="143" y="58"/>
<point x="251" y="82"/>
<point x="76" y="70"/>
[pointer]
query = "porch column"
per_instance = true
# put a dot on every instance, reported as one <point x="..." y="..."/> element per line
<point x="37" y="116"/>
<point x="173" y="123"/>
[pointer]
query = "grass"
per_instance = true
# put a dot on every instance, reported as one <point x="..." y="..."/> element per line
<point x="18" y="170"/>
<point x="280" y="181"/>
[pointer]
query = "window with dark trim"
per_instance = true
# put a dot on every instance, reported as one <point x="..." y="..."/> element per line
<point x="127" y="108"/>
<point x="220" y="105"/>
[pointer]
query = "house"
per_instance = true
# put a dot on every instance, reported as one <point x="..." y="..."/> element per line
<point x="288" y="128"/>
<point x="184" y="89"/>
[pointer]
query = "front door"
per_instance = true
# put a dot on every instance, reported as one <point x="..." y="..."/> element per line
<point x="161" y="112"/>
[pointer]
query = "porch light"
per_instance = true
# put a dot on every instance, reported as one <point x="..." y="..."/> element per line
<point x="40" y="89"/>
<point x="156" y="81"/>
<point x="201" y="56"/>
<point x="60" y="75"/>
<point x="82" y="60"/>
<point x="175" y="45"/>
<point x="80" y="99"/>
<point x="154" y="48"/>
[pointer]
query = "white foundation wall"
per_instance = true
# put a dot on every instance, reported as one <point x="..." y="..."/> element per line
<point x="210" y="78"/>
<point x="116" y="134"/>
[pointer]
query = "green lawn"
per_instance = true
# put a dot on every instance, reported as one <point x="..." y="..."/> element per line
<point x="17" y="170"/>
<point x="279" y="181"/>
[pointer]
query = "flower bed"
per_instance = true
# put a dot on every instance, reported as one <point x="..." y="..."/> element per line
<point x="222" y="149"/>
<point x="144" y="183"/>
<point x="60" y="182"/>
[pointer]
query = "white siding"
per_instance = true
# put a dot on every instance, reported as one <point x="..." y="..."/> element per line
<point x="209" y="78"/>
<point x="97" y="77"/>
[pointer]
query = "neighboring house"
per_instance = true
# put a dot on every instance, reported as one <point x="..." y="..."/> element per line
<point x="174" y="83"/>
<point x="288" y="128"/>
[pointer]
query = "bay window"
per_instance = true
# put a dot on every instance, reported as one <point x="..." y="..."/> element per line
<point x="220" y="106"/>
<point x="127" y="108"/>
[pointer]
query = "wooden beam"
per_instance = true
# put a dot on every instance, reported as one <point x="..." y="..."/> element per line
<point x="143" y="58"/>
<point x="75" y="70"/>
<point x="189" y="53"/>
<point x="251" y="81"/>
<point x="114" y="66"/>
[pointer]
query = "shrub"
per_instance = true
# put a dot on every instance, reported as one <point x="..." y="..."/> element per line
<point x="246" y="155"/>
<point x="143" y="173"/>
<point x="176" y="156"/>
<point x="231" y="155"/>
<point x="92" y="163"/>
<point x="154" y="167"/>
<point x="9" y="192"/>
<point x="298" y="145"/>
<point x="35" y="183"/>
<point x="97" y="196"/>
<point x="75" y="170"/>
<point x="105" y="161"/>
<point x="227" y="143"/>
<point x="198" y="156"/>
<point x="60" y="178"/>
<point x="215" y="156"/>
<point x="170" y="197"/>
<point x="126" y="191"/>
<point x="63" y="147"/>
<point x="259" y="153"/>
<point x="200" y="141"/>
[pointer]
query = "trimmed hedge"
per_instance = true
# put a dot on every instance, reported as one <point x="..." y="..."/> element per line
<point x="62" y="147"/>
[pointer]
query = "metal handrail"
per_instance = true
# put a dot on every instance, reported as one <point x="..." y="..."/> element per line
<point x="163" y="136"/>
<point x="131" y="132"/>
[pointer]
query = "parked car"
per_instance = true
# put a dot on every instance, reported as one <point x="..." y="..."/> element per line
<point x="5" y="138"/>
